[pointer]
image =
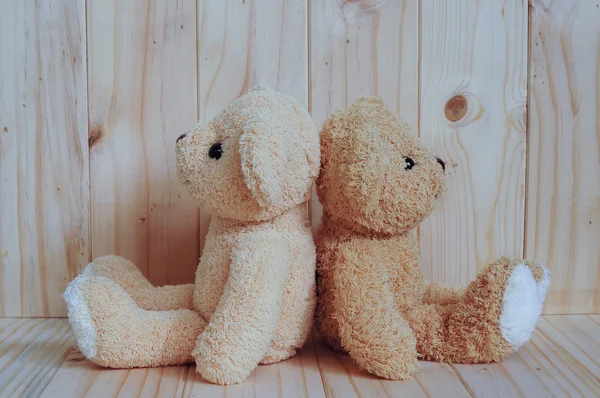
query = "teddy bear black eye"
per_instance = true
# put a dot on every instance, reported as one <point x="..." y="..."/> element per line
<point x="215" y="151"/>
<point x="409" y="163"/>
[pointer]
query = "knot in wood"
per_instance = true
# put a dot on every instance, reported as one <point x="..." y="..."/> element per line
<point x="94" y="135"/>
<point x="456" y="108"/>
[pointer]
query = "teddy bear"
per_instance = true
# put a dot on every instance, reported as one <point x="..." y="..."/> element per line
<point x="377" y="183"/>
<point x="252" y="168"/>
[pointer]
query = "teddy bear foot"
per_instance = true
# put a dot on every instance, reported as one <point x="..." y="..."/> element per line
<point x="523" y="300"/>
<point x="148" y="297"/>
<point x="112" y="331"/>
<point x="80" y="318"/>
<point x="514" y="291"/>
<point x="119" y="270"/>
<point x="496" y="315"/>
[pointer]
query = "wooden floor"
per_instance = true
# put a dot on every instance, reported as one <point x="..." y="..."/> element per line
<point x="38" y="358"/>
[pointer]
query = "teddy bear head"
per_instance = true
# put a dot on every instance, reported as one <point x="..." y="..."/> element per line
<point x="376" y="177"/>
<point x="252" y="162"/>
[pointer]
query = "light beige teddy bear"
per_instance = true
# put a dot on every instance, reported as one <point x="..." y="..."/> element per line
<point x="251" y="168"/>
<point x="377" y="183"/>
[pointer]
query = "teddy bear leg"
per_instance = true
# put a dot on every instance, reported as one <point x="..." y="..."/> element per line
<point x="148" y="297"/>
<point x="436" y="293"/>
<point x="496" y="315"/>
<point x="112" y="331"/>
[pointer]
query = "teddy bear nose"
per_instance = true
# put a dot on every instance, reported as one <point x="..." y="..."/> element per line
<point x="180" y="137"/>
<point x="441" y="162"/>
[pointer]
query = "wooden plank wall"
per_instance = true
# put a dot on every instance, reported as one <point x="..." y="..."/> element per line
<point x="93" y="96"/>
<point x="474" y="55"/>
<point x="142" y="93"/>
<point x="44" y="159"/>
<point x="563" y="212"/>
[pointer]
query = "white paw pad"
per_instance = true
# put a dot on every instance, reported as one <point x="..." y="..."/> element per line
<point x="79" y="317"/>
<point x="522" y="305"/>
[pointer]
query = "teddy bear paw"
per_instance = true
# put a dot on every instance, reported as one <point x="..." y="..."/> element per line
<point x="80" y="317"/>
<point x="523" y="302"/>
<point x="218" y="373"/>
<point x="218" y="367"/>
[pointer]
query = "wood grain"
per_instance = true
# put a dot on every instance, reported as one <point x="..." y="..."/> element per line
<point x="44" y="193"/>
<point x="78" y="377"/>
<point x="560" y="371"/>
<point x="578" y="334"/>
<point x="557" y="362"/>
<point x="142" y="95"/>
<point x="510" y="378"/>
<point x="563" y="190"/>
<point x="363" y="48"/>
<point x="31" y="351"/>
<point x="477" y="50"/>
<point x="243" y="43"/>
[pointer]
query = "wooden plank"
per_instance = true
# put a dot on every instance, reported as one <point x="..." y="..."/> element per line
<point x="44" y="199"/>
<point x="577" y="334"/>
<point x="473" y="95"/>
<point x="78" y="377"/>
<point x="242" y="43"/>
<point x="342" y="378"/>
<point x="558" y="362"/>
<point x="438" y="380"/>
<point x="510" y="378"/>
<point x="31" y="351"/>
<point x="361" y="49"/>
<point x="558" y="370"/>
<point x="300" y="375"/>
<point x="563" y="190"/>
<point x="296" y="377"/>
<point x="142" y="95"/>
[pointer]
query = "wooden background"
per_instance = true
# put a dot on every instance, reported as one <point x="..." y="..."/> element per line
<point x="93" y="95"/>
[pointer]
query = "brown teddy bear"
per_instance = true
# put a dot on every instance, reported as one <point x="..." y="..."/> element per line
<point x="377" y="183"/>
<point x="252" y="167"/>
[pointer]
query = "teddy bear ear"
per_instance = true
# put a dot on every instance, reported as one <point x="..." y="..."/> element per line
<point x="373" y="100"/>
<point x="260" y="86"/>
<point x="365" y="168"/>
<point x="263" y="162"/>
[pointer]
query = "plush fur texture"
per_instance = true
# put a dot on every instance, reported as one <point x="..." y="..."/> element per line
<point x="377" y="183"/>
<point x="253" y="299"/>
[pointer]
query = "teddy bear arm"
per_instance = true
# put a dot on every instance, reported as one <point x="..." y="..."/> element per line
<point x="371" y="328"/>
<point x="245" y="320"/>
